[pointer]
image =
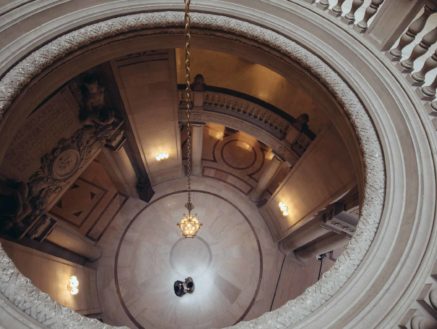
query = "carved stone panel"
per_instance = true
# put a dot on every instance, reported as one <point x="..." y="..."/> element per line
<point x="54" y="120"/>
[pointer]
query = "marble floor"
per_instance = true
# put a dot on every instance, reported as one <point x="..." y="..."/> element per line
<point x="233" y="260"/>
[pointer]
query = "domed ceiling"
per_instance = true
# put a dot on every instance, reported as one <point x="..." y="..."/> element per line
<point x="95" y="177"/>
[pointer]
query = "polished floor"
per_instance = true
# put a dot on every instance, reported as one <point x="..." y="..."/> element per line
<point x="233" y="261"/>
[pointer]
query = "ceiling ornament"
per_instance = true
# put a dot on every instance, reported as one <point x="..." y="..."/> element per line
<point x="189" y="224"/>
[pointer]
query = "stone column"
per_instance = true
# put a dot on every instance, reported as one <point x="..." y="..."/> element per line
<point x="67" y="237"/>
<point x="120" y="170"/>
<point x="197" y="143"/>
<point x="266" y="177"/>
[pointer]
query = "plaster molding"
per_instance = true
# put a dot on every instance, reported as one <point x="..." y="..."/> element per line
<point x="20" y="291"/>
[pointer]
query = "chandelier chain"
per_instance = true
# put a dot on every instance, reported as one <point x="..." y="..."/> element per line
<point x="187" y="97"/>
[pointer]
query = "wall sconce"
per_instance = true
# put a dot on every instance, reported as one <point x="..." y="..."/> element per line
<point x="216" y="131"/>
<point x="270" y="155"/>
<point x="73" y="285"/>
<point x="162" y="156"/>
<point x="219" y="135"/>
<point x="284" y="208"/>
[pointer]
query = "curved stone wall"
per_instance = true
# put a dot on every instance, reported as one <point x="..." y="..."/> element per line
<point x="350" y="290"/>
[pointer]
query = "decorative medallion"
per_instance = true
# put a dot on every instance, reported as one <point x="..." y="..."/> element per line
<point x="66" y="164"/>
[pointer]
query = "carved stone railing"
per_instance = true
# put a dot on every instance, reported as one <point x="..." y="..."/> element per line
<point x="403" y="35"/>
<point x="247" y="108"/>
<point x="358" y="13"/>
<point x="409" y="41"/>
<point x="288" y="137"/>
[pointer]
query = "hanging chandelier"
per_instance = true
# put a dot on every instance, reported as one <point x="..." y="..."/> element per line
<point x="189" y="224"/>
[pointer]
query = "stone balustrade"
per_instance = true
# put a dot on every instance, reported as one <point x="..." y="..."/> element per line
<point x="411" y="38"/>
<point x="242" y="108"/>
<point x="288" y="137"/>
<point x="358" y="13"/>
<point x="251" y="112"/>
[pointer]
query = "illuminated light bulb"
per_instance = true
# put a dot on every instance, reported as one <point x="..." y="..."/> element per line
<point x="270" y="155"/>
<point x="219" y="135"/>
<point x="284" y="208"/>
<point x="73" y="285"/>
<point x="162" y="156"/>
<point x="189" y="226"/>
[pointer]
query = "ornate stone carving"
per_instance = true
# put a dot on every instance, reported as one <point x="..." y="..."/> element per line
<point x="57" y="168"/>
<point x="66" y="164"/>
<point x="39" y="306"/>
<point x="42" y="227"/>
<point x="94" y="109"/>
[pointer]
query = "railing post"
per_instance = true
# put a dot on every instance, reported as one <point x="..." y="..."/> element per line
<point x="430" y="64"/>
<point x="392" y="19"/>
<point x="371" y="10"/>
<point x="349" y="18"/>
<point x="420" y="49"/>
<point x="323" y="4"/>
<point x="429" y="91"/>
<point x="415" y="27"/>
<point x="337" y="10"/>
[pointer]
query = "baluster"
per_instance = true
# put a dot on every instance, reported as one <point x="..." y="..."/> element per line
<point x="323" y="4"/>
<point x="228" y="106"/>
<point x="336" y="10"/>
<point x="368" y="14"/>
<point x="279" y="125"/>
<point x="243" y="109"/>
<point x="255" y="113"/>
<point x="261" y="115"/>
<point x="434" y="107"/>
<point x="429" y="91"/>
<point x="349" y="18"/>
<point x="235" y="106"/>
<point x="430" y="63"/>
<point x="427" y="41"/>
<point x="238" y="109"/>
<point x="412" y="32"/>
<point x="222" y="101"/>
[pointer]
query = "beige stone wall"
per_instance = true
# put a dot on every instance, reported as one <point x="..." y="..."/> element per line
<point x="54" y="120"/>
<point x="323" y="174"/>
<point x="51" y="274"/>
